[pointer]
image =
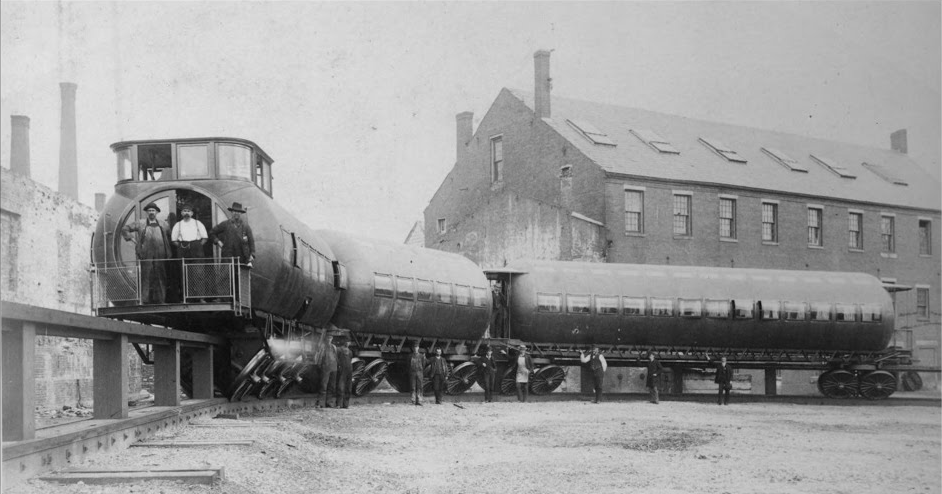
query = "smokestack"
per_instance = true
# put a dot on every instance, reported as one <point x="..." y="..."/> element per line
<point x="465" y="131"/>
<point x="68" y="161"/>
<point x="542" y="82"/>
<point x="898" y="141"/>
<point x="19" y="144"/>
<point x="99" y="202"/>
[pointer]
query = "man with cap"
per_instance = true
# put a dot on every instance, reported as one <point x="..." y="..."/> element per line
<point x="344" y="373"/>
<point x="417" y="365"/>
<point x="153" y="250"/>
<point x="326" y="358"/>
<point x="524" y="370"/>
<point x="438" y="371"/>
<point x="598" y="366"/>
<point x="188" y="236"/>
<point x="653" y="377"/>
<point x="234" y="238"/>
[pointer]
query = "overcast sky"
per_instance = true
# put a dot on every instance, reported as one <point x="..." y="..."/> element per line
<point x="356" y="102"/>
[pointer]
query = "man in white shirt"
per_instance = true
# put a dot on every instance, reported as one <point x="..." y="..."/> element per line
<point x="598" y="366"/>
<point x="188" y="236"/>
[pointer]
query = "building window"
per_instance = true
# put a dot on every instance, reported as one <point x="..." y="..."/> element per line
<point x="727" y="218"/>
<point x="722" y="150"/>
<point x="833" y="167"/>
<point x="925" y="237"/>
<point x="682" y="215"/>
<point x="769" y="222"/>
<point x="654" y="140"/>
<point x="885" y="173"/>
<point x="591" y="133"/>
<point x="887" y="229"/>
<point x="497" y="159"/>
<point x="441" y="225"/>
<point x="815" y="217"/>
<point x="785" y="160"/>
<point x="634" y="211"/>
<point x="855" y="239"/>
<point x="922" y="303"/>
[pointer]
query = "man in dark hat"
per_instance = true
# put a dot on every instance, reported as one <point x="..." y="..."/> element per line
<point x="598" y="366"/>
<point x="234" y="237"/>
<point x="153" y="252"/>
<point x="188" y="236"/>
<point x="344" y="373"/>
<point x="653" y="377"/>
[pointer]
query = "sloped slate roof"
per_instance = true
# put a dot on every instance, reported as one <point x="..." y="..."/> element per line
<point x="698" y="163"/>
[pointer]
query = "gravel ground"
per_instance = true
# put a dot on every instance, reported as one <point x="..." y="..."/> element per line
<point x="546" y="447"/>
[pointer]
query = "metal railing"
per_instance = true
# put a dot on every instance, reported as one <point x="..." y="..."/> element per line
<point x="171" y="281"/>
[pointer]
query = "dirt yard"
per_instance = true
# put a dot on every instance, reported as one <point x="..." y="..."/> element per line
<point x="559" y="446"/>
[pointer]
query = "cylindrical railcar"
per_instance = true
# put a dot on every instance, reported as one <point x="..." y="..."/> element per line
<point x="678" y="306"/>
<point x="400" y="290"/>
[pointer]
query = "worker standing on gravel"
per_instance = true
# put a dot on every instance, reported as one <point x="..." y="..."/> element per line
<point x="654" y="376"/>
<point x="598" y="366"/>
<point x="524" y="370"/>
<point x="438" y="372"/>
<point x="417" y="373"/>
<point x="327" y="359"/>
<point x="724" y="378"/>
<point x="344" y="374"/>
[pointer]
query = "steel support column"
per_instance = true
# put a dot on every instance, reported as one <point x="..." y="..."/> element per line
<point x="202" y="359"/>
<point x="771" y="382"/>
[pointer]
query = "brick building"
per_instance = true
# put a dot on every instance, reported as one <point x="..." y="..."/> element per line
<point x="555" y="178"/>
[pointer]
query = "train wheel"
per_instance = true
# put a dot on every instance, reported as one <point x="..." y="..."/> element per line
<point x="838" y="384"/>
<point x="508" y="381"/>
<point x="292" y="377"/>
<point x="877" y="385"/>
<point x="461" y="378"/>
<point x="370" y="377"/>
<point x="246" y="374"/>
<point x="546" y="379"/>
<point x="397" y="375"/>
<point x="912" y="381"/>
<point x="272" y="378"/>
<point x="242" y="390"/>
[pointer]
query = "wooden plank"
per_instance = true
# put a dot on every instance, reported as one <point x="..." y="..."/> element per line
<point x="54" y="322"/>
<point x="201" y="476"/>
<point x="110" y="378"/>
<point x="19" y="395"/>
<point x="191" y="444"/>
<point x="167" y="375"/>
<point x="202" y="359"/>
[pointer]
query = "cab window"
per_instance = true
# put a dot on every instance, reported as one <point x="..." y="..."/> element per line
<point x="234" y="161"/>
<point x="193" y="160"/>
<point x="154" y="162"/>
<point x="125" y="165"/>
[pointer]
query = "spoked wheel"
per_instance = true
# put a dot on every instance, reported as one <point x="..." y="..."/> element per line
<point x="290" y="378"/>
<point x="546" y="379"/>
<point x="508" y="381"/>
<point x="877" y="385"/>
<point x="371" y="375"/>
<point x="912" y="381"/>
<point x="272" y="377"/>
<point x="838" y="384"/>
<point x="461" y="378"/>
<point x="397" y="375"/>
<point x="246" y="378"/>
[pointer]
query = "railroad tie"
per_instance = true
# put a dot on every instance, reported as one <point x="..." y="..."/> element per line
<point x="192" y="444"/>
<point x="205" y="476"/>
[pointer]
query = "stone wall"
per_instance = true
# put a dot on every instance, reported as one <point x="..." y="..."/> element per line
<point x="45" y="259"/>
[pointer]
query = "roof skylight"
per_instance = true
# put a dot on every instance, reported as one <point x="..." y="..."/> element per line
<point x="884" y="173"/>
<point x="723" y="150"/>
<point x="785" y="160"/>
<point x="654" y="140"/>
<point x="833" y="167"/>
<point x="591" y="132"/>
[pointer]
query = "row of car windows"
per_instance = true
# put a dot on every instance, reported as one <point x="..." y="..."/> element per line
<point x="770" y="310"/>
<point x="419" y="290"/>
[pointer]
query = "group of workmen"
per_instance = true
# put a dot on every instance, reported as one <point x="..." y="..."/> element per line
<point x="153" y="238"/>
<point x="487" y="371"/>
<point x="336" y="373"/>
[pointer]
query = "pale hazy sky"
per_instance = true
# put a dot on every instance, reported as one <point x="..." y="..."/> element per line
<point x="356" y="102"/>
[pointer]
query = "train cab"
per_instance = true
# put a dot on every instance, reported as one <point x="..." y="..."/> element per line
<point x="216" y="179"/>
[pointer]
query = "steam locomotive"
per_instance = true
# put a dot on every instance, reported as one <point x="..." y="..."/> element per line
<point x="305" y="285"/>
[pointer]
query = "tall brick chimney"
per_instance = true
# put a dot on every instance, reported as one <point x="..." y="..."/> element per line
<point x="68" y="160"/>
<point x="465" y="131"/>
<point x="19" y="144"/>
<point x="542" y="83"/>
<point x="898" y="141"/>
